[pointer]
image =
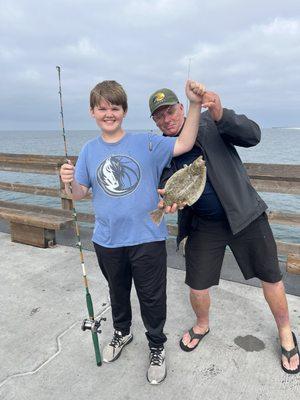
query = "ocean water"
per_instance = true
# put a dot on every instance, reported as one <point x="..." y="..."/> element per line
<point x="278" y="146"/>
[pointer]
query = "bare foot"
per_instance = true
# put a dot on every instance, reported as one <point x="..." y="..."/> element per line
<point x="287" y="342"/>
<point x="186" y="339"/>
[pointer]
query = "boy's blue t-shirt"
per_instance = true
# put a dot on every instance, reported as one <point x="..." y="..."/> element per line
<point x="124" y="178"/>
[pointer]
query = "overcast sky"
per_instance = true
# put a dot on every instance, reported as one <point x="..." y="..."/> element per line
<point x="246" y="51"/>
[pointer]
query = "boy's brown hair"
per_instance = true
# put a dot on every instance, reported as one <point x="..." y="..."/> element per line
<point x="110" y="91"/>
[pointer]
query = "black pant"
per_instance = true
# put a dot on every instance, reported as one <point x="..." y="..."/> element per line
<point x="254" y="249"/>
<point x="146" y="264"/>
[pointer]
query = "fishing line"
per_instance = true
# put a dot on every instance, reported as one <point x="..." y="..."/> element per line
<point x="188" y="77"/>
<point x="56" y="353"/>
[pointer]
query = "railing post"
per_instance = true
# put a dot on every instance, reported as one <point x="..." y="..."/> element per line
<point x="66" y="203"/>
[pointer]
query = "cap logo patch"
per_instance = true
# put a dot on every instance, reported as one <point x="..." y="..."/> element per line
<point x="159" y="97"/>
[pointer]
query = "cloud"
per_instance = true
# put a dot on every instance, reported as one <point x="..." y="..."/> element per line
<point x="282" y="26"/>
<point x="248" y="54"/>
<point x="29" y="76"/>
<point x="145" y="14"/>
<point x="10" y="13"/>
<point x="83" y="48"/>
<point x="8" y="54"/>
<point x="254" y="65"/>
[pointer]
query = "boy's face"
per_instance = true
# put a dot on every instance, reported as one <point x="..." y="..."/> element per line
<point x="108" y="116"/>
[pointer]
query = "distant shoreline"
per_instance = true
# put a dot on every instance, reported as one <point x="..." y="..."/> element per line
<point x="284" y="127"/>
<point x="70" y="131"/>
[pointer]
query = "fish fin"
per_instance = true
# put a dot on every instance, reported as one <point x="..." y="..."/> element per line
<point x="157" y="216"/>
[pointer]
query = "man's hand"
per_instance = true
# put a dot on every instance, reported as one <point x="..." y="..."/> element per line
<point x="212" y="102"/>
<point x="195" y="91"/>
<point x="168" y="209"/>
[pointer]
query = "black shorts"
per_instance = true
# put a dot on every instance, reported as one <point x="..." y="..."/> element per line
<point x="254" y="249"/>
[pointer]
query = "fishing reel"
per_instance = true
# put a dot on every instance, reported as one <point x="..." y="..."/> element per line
<point x="93" y="325"/>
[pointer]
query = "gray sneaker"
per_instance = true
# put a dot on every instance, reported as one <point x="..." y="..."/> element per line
<point x="157" y="370"/>
<point x="113" y="350"/>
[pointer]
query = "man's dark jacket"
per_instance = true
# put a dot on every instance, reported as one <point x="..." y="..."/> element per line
<point x="225" y="170"/>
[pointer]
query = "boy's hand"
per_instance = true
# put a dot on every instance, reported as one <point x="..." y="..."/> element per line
<point x="67" y="172"/>
<point x="212" y="102"/>
<point x="195" y="91"/>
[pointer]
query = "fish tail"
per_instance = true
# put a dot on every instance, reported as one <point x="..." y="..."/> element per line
<point x="157" y="216"/>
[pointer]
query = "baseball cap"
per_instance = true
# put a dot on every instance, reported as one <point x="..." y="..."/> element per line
<point x="162" y="97"/>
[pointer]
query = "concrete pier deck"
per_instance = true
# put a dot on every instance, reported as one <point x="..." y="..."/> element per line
<point x="45" y="355"/>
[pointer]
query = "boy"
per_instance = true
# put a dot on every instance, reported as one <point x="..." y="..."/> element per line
<point x="123" y="171"/>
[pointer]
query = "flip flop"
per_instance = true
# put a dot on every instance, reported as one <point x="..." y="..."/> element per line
<point x="193" y="336"/>
<point x="289" y="355"/>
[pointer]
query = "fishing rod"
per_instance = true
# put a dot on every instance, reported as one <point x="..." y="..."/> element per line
<point x="91" y="323"/>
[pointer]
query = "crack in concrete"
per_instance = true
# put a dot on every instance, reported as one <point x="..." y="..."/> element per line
<point x="59" y="348"/>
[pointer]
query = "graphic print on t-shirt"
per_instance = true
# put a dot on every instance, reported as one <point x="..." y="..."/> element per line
<point x="119" y="175"/>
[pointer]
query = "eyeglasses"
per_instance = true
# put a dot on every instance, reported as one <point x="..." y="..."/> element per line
<point x="160" y="115"/>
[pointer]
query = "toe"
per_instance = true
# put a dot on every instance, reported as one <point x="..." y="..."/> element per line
<point x="293" y="364"/>
<point x="188" y="342"/>
<point x="285" y="363"/>
<point x="186" y="339"/>
<point x="193" y="343"/>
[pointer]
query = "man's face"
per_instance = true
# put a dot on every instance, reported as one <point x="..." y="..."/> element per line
<point x="169" y="119"/>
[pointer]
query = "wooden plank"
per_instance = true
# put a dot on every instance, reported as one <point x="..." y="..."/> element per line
<point x="276" y="186"/>
<point x="33" y="163"/>
<point x="34" y="219"/>
<point x="36" y="190"/>
<point x="67" y="204"/>
<point x="32" y="235"/>
<point x="34" y="208"/>
<point x="276" y="217"/>
<point x="293" y="264"/>
<point x="259" y="185"/>
<point x="255" y="170"/>
<point x="82" y="217"/>
<point x="284" y="248"/>
<point x="33" y="158"/>
<point x="30" y="168"/>
<point x="274" y="171"/>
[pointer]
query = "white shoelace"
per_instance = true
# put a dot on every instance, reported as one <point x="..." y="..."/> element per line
<point x="156" y="357"/>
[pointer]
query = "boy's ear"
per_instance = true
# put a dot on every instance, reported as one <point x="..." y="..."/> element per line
<point x="92" y="112"/>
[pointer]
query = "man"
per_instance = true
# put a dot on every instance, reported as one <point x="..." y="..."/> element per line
<point x="229" y="212"/>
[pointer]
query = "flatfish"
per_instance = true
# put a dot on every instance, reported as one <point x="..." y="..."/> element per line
<point x="183" y="188"/>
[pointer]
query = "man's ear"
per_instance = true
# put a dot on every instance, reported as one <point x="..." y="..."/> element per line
<point x="181" y="106"/>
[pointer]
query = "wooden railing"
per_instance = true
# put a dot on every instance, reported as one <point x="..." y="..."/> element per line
<point x="278" y="178"/>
